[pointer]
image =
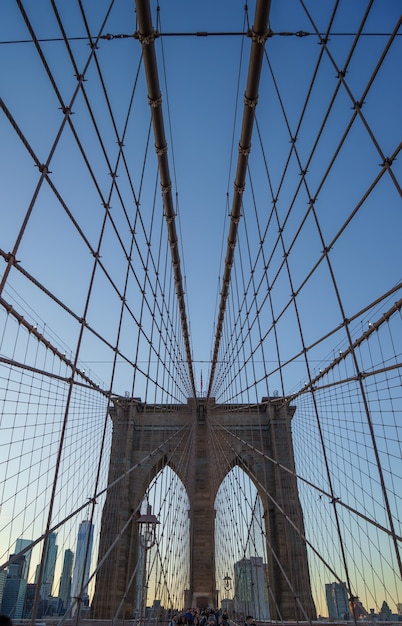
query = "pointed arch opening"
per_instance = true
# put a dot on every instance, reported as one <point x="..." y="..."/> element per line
<point x="241" y="560"/>
<point x="164" y="568"/>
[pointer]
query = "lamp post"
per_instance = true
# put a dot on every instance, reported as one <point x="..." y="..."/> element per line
<point x="227" y="585"/>
<point x="147" y="527"/>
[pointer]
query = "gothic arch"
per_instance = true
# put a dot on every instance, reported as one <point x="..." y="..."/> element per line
<point x="246" y="465"/>
<point x="158" y="466"/>
<point x="135" y="435"/>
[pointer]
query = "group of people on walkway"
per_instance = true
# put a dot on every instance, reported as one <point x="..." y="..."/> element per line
<point x="200" y="617"/>
<point x="205" y="617"/>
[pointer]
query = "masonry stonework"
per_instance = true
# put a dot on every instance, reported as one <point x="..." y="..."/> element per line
<point x="143" y="437"/>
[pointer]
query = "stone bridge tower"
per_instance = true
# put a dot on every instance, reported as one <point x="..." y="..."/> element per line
<point x="140" y="429"/>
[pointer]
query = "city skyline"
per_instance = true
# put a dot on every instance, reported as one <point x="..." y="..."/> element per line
<point x="248" y="594"/>
<point x="69" y="580"/>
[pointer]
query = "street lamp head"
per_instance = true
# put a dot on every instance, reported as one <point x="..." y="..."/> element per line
<point x="147" y="525"/>
<point x="227" y="582"/>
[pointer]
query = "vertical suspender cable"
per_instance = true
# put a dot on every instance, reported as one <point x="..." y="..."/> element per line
<point x="146" y="36"/>
<point x="259" y="35"/>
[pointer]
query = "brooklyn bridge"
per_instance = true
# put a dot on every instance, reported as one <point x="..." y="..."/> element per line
<point x="200" y="299"/>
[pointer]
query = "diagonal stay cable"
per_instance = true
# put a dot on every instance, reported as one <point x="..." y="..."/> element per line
<point x="146" y="35"/>
<point x="231" y="434"/>
<point x="178" y="439"/>
<point x="259" y="35"/>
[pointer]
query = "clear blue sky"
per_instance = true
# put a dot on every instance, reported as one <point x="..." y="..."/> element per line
<point x="202" y="83"/>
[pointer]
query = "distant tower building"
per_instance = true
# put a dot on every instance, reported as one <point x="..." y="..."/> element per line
<point x="65" y="580"/>
<point x="251" y="589"/>
<point x="20" y="545"/>
<point x="82" y="562"/>
<point x="337" y="601"/>
<point x="12" y="603"/>
<point x="49" y="567"/>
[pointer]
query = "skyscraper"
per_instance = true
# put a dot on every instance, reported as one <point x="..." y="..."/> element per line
<point x="49" y="558"/>
<point x="337" y="600"/>
<point x="20" y="544"/>
<point x="251" y="589"/>
<point x="14" y="589"/>
<point x="82" y="563"/>
<point x="13" y="581"/>
<point x="65" y="579"/>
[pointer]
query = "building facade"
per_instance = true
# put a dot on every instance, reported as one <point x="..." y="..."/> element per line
<point x="65" y="580"/>
<point x="337" y="601"/>
<point x="12" y="603"/>
<point x="49" y="565"/>
<point x="82" y="562"/>
<point x="20" y="545"/>
<point x="252" y="589"/>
